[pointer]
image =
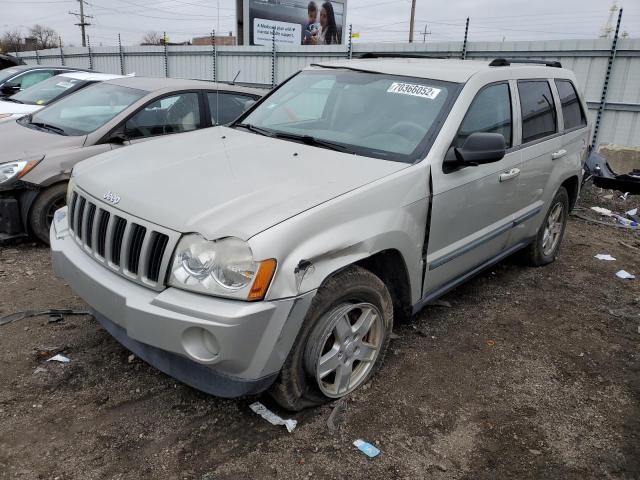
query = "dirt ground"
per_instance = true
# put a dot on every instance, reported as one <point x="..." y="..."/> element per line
<point x="529" y="373"/>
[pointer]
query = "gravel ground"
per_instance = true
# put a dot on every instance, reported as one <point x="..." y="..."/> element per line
<point x="520" y="373"/>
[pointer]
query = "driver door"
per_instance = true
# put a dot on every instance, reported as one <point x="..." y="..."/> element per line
<point x="473" y="207"/>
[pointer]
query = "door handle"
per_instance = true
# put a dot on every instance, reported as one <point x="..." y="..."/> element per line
<point x="558" y="154"/>
<point x="509" y="174"/>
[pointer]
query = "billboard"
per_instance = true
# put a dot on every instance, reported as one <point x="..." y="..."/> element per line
<point x="295" y="22"/>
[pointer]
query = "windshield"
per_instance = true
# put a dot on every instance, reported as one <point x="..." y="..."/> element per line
<point x="7" y="72"/>
<point x="48" y="90"/>
<point x="371" y="114"/>
<point x="88" y="109"/>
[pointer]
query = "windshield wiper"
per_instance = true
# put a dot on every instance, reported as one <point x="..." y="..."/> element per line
<point x="51" y="128"/>
<point x="254" y="129"/>
<point x="309" y="140"/>
<point x="9" y="99"/>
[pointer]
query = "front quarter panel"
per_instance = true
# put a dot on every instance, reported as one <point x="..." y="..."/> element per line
<point x="389" y="213"/>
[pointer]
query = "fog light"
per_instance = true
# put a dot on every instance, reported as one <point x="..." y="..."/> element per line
<point x="200" y="344"/>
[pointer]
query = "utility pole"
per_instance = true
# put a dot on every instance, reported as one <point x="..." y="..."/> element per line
<point x="413" y="17"/>
<point x="424" y="35"/>
<point x="83" y="23"/>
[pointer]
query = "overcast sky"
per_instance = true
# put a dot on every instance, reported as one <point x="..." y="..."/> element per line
<point x="375" y="20"/>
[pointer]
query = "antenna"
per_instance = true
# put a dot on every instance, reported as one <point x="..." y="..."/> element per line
<point x="607" y="29"/>
<point x="83" y="23"/>
<point x="234" y="78"/>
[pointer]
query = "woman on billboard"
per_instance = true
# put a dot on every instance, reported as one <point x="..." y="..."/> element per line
<point x="328" y="33"/>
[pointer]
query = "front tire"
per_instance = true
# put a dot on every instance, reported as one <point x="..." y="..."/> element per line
<point x="544" y="249"/>
<point x="43" y="208"/>
<point x="342" y="341"/>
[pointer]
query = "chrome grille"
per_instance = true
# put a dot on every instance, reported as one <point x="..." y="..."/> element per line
<point x="135" y="249"/>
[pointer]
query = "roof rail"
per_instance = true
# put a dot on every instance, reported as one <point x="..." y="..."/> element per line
<point x="397" y="55"/>
<point x="505" y="62"/>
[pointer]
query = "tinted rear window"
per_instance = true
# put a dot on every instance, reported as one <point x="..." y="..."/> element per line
<point x="571" y="109"/>
<point x="538" y="110"/>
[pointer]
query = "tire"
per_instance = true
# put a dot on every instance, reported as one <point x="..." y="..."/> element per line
<point x="355" y="295"/>
<point x="538" y="253"/>
<point x="41" y="213"/>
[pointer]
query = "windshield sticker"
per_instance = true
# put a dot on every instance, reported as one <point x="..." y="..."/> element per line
<point x="65" y="84"/>
<point x="413" y="89"/>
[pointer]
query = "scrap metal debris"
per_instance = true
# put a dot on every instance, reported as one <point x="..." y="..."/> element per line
<point x="272" y="418"/>
<point x="54" y="313"/>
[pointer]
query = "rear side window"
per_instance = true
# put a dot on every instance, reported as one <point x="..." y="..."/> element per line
<point x="226" y="107"/>
<point x="490" y="112"/>
<point x="538" y="111"/>
<point x="571" y="109"/>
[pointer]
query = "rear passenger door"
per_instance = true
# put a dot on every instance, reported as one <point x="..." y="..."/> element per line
<point x="540" y="145"/>
<point x="225" y="107"/>
<point x="472" y="208"/>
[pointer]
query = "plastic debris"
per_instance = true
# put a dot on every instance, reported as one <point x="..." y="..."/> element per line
<point x="633" y="211"/>
<point x="337" y="416"/>
<point x="602" y="211"/>
<point x="35" y="313"/>
<point x="272" y="418"/>
<point x="623" y="274"/>
<point x="39" y="370"/>
<point x="366" y="448"/>
<point x="59" y="358"/>
<point x="605" y="256"/>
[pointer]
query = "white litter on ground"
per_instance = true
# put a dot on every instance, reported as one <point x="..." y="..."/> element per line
<point x="623" y="274"/>
<point x="59" y="358"/>
<point x="602" y="211"/>
<point x="633" y="211"/>
<point x="604" y="256"/>
<point x="272" y="418"/>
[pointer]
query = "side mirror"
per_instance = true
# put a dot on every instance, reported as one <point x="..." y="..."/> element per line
<point x="478" y="148"/>
<point x="118" y="137"/>
<point x="10" y="88"/>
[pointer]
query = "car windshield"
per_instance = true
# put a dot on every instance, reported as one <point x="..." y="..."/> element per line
<point x="7" y="72"/>
<point x="371" y="114"/>
<point x="48" y="90"/>
<point x="86" y="110"/>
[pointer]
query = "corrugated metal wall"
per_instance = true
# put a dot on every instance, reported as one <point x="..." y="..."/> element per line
<point x="253" y="65"/>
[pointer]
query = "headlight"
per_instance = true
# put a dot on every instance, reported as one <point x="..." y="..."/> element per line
<point x="18" y="169"/>
<point x="223" y="267"/>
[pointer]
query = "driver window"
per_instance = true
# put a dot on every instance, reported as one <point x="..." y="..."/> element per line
<point x="490" y="112"/>
<point x="174" y="114"/>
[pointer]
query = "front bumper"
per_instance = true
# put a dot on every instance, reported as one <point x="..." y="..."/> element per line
<point x="224" y="347"/>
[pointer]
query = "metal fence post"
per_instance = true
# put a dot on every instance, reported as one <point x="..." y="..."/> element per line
<point x="273" y="58"/>
<point x="350" y="47"/>
<point x="61" y="52"/>
<point x="605" y="85"/>
<point x="121" y="55"/>
<point x="166" y="62"/>
<point x="464" y="43"/>
<point x="89" y="51"/>
<point x="37" y="54"/>
<point x="214" y="54"/>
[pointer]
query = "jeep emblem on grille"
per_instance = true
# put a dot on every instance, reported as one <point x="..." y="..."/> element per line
<point x="111" y="197"/>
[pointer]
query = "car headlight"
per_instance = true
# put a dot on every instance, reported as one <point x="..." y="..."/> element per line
<point x="16" y="170"/>
<point x="222" y="267"/>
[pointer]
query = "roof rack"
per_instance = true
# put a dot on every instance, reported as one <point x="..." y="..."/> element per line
<point x="397" y="55"/>
<point x="505" y="62"/>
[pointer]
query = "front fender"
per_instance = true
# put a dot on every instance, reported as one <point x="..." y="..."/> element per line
<point x="388" y="214"/>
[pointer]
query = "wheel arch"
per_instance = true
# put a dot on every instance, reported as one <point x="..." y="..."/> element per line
<point x="572" y="186"/>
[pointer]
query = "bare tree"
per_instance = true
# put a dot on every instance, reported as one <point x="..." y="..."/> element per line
<point x="45" y="37"/>
<point x="152" y="38"/>
<point x="11" y="41"/>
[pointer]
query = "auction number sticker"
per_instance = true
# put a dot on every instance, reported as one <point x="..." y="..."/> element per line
<point x="413" y="89"/>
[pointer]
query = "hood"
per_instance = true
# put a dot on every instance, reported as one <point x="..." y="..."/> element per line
<point x="18" y="141"/>
<point x="22" y="108"/>
<point x="224" y="182"/>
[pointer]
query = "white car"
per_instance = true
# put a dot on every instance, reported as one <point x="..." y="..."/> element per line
<point x="48" y="91"/>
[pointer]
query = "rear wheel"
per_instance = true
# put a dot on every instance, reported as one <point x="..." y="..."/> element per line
<point x="43" y="208"/>
<point x="544" y="249"/>
<point x="342" y="341"/>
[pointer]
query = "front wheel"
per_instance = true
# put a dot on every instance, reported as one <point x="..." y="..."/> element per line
<point x="43" y="208"/>
<point x="342" y="341"/>
<point x="544" y="249"/>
